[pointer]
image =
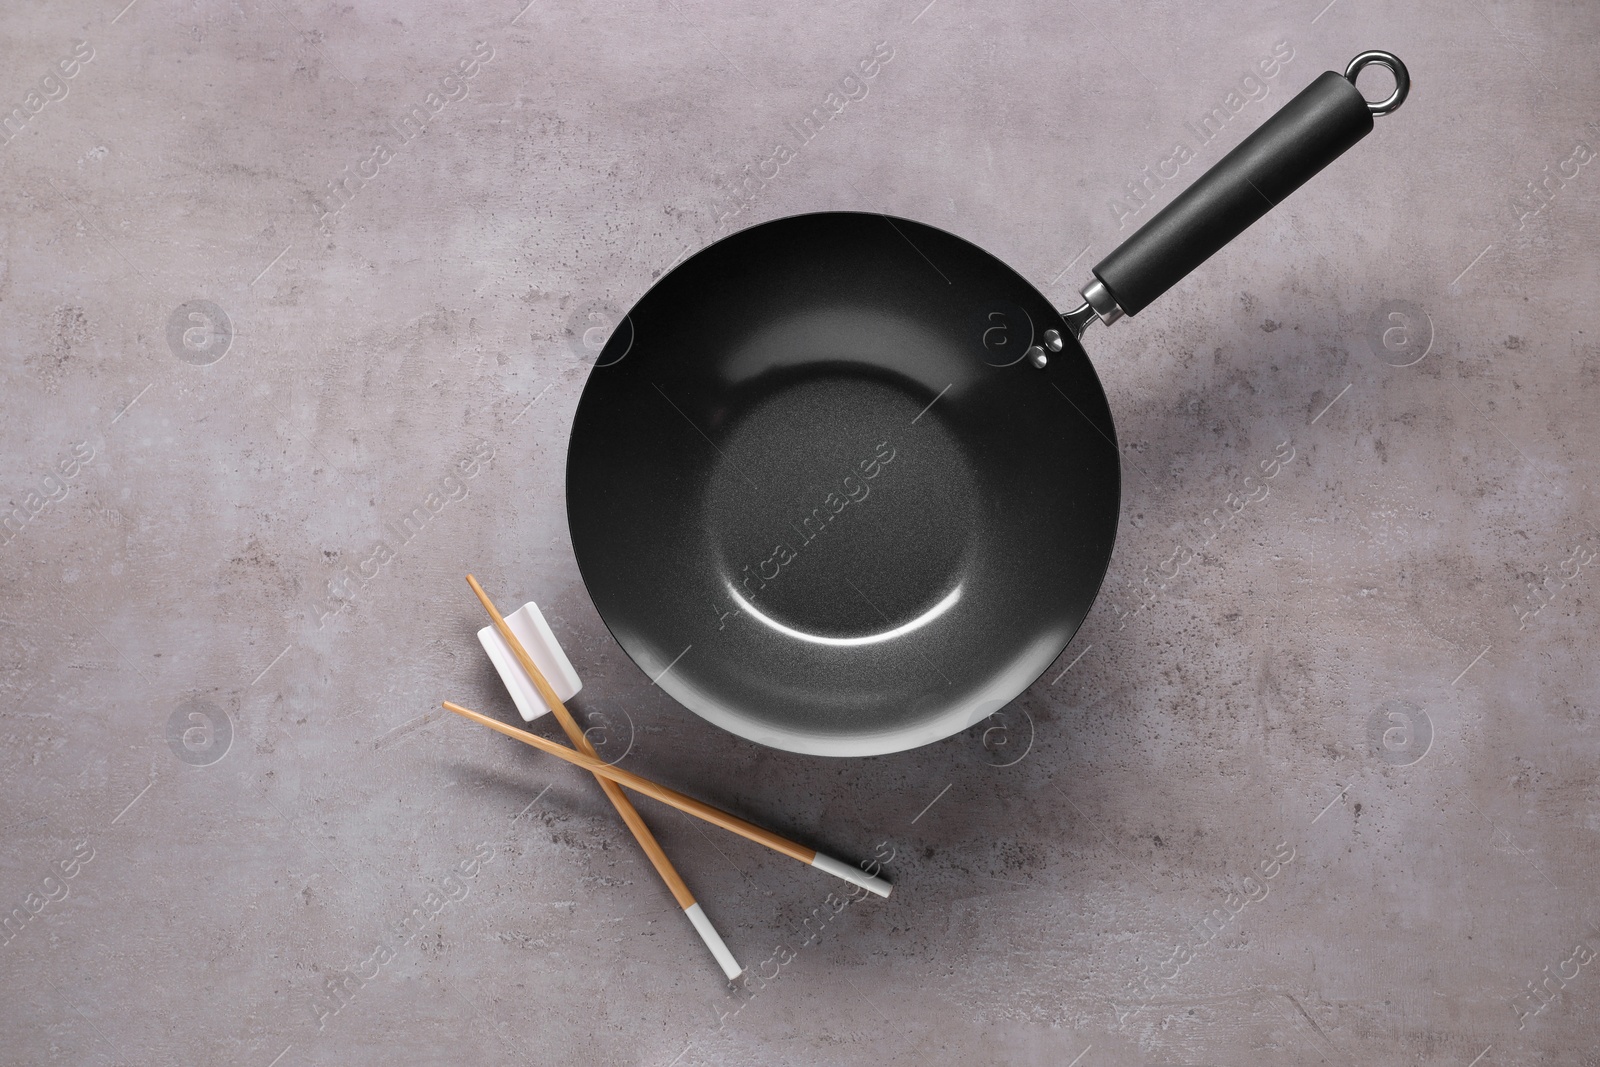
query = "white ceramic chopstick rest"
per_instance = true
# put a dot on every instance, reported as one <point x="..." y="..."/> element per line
<point x="534" y="634"/>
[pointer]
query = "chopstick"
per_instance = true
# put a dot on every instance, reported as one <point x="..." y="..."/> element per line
<point x="624" y="806"/>
<point x="687" y="804"/>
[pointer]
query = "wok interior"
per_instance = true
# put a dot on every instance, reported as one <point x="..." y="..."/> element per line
<point x="811" y="493"/>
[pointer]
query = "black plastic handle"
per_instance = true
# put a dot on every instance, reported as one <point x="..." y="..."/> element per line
<point x="1306" y="134"/>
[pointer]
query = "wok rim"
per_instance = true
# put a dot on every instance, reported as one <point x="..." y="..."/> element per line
<point x="879" y="742"/>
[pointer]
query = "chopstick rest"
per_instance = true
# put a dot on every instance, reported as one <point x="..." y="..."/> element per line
<point x="534" y="634"/>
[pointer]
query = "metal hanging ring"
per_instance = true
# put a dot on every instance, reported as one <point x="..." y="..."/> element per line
<point x="1402" y="79"/>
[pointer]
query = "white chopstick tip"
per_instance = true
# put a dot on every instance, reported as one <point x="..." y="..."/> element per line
<point x="853" y="875"/>
<point x="713" y="940"/>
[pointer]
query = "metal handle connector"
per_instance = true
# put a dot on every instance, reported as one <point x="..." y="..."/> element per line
<point x="1098" y="303"/>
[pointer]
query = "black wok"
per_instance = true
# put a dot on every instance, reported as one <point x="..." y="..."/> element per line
<point x="846" y="484"/>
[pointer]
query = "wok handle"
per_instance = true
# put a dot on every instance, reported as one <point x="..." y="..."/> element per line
<point x="1305" y="135"/>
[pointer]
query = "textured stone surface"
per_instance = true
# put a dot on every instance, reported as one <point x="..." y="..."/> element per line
<point x="1348" y="670"/>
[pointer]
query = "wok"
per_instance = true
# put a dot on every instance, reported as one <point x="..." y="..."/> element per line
<point x="846" y="484"/>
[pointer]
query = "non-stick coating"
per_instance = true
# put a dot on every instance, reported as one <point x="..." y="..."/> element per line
<point x="820" y="499"/>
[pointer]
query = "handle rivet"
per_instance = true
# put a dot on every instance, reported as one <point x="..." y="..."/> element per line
<point x="1052" y="340"/>
<point x="1037" y="357"/>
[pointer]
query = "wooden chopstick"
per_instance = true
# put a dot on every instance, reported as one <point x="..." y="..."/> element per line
<point x="687" y="804"/>
<point x="624" y="806"/>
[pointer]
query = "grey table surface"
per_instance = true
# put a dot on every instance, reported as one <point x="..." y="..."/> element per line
<point x="1315" y="783"/>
